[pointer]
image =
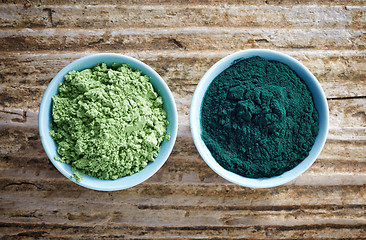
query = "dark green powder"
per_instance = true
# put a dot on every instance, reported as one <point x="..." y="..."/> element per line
<point x="258" y="118"/>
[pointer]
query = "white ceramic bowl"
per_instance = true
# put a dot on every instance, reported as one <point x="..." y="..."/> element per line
<point x="320" y="104"/>
<point x="45" y="119"/>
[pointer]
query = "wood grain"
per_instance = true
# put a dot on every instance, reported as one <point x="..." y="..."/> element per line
<point x="39" y="3"/>
<point x="25" y="81"/>
<point x="181" y="40"/>
<point x="107" y="16"/>
<point x="187" y="39"/>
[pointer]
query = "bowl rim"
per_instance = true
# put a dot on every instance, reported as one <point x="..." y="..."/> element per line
<point x="123" y="182"/>
<point x="195" y="114"/>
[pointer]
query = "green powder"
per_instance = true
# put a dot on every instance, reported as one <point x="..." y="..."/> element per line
<point x="258" y="118"/>
<point x="108" y="122"/>
<point x="76" y="176"/>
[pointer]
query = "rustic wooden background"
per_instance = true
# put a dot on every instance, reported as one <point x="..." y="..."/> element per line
<point x="181" y="40"/>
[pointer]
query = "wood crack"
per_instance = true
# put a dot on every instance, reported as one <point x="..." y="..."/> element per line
<point x="252" y="208"/>
<point x="177" y="43"/>
<point x="187" y="228"/>
<point x="50" y="17"/>
<point x="345" y="98"/>
<point x="35" y="234"/>
<point x="23" y="115"/>
<point x="20" y="184"/>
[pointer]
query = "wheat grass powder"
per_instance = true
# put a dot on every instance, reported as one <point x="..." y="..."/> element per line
<point x="108" y="122"/>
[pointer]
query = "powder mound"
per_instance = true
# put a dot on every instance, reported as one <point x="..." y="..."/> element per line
<point x="258" y="118"/>
<point x="108" y="122"/>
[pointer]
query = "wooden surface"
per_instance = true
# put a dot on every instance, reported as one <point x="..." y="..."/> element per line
<point x="181" y="40"/>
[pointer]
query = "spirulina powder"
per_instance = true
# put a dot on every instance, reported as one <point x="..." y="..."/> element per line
<point x="108" y="122"/>
<point x="258" y="118"/>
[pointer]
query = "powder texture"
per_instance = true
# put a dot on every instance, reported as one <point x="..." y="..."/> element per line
<point x="76" y="176"/>
<point x="258" y="118"/>
<point x="108" y="122"/>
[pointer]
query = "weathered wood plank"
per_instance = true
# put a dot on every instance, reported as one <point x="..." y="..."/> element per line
<point x="22" y="156"/>
<point x="70" y="212"/>
<point x="37" y="69"/>
<point x="185" y="39"/>
<point x="59" y="231"/>
<point x="342" y="149"/>
<point x="196" y="171"/>
<point x="23" y="144"/>
<point x="225" y="206"/>
<point x="196" y="195"/>
<point x="121" y="16"/>
<point x="24" y="81"/>
<point x="183" y="2"/>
